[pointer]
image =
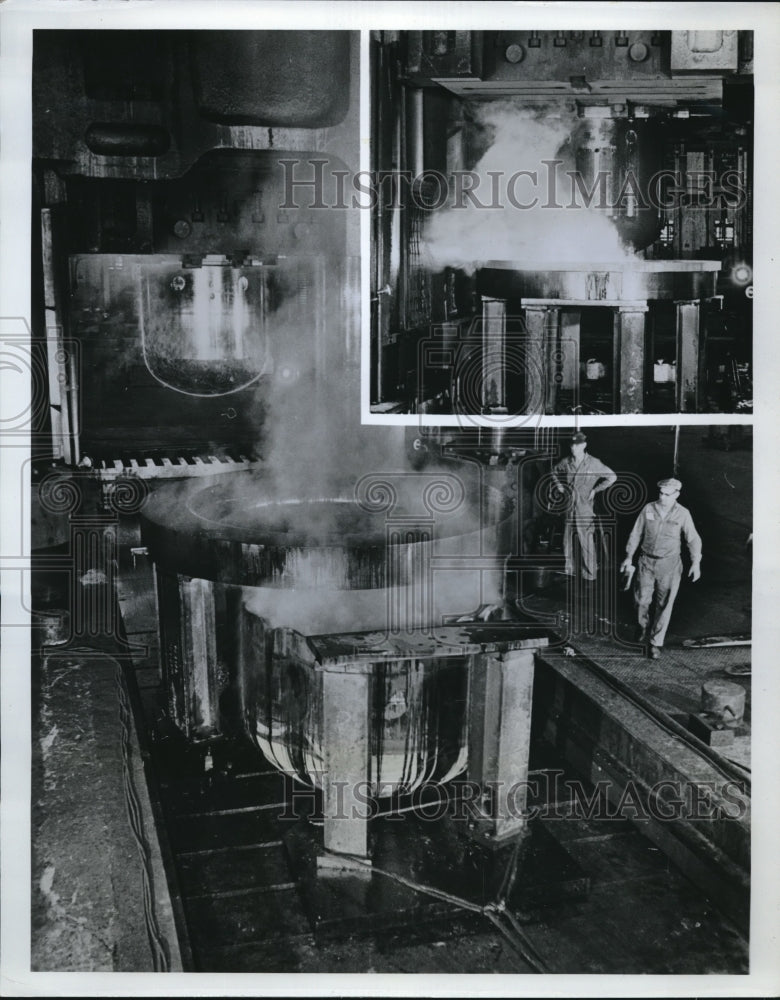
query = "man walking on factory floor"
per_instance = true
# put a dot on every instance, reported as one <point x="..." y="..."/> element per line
<point x="582" y="476"/>
<point x="658" y="533"/>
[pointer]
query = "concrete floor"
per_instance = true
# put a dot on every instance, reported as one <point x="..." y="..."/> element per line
<point x="99" y="901"/>
<point x="673" y="683"/>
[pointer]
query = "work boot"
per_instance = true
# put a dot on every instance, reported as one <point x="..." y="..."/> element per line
<point x="655" y="652"/>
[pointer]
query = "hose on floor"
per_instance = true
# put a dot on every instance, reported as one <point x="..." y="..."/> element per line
<point x="157" y="943"/>
<point x="496" y="912"/>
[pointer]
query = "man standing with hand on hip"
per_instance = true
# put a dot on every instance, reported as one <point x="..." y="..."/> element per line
<point x="658" y="533"/>
<point x="582" y="476"/>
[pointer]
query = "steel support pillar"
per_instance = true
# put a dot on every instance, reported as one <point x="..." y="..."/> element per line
<point x="553" y="359"/>
<point x="346" y="716"/>
<point x="500" y="699"/>
<point x="494" y="355"/>
<point x="569" y="346"/>
<point x="688" y="356"/>
<point x="537" y="325"/>
<point x="185" y="610"/>
<point x="631" y="348"/>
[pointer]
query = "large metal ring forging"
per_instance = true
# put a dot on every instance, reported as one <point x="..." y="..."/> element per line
<point x="416" y="710"/>
<point x="238" y="530"/>
<point x="313" y="566"/>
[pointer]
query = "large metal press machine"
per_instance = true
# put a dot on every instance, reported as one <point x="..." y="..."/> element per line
<point x="644" y="306"/>
<point x="201" y="333"/>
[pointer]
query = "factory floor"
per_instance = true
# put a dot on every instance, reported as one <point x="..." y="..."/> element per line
<point x="673" y="683"/>
<point x="101" y="899"/>
<point x="245" y="910"/>
<point x="716" y="468"/>
<point x="98" y="882"/>
<point x="108" y="892"/>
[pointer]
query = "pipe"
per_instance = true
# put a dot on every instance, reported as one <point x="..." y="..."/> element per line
<point x="675" y="463"/>
<point x="415" y="136"/>
<point x="58" y="408"/>
<point x="72" y="402"/>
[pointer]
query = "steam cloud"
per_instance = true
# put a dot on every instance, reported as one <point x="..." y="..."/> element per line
<point x="314" y="447"/>
<point x="313" y="443"/>
<point x="523" y="139"/>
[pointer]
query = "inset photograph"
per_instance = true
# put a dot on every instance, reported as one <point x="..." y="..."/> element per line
<point x="562" y="222"/>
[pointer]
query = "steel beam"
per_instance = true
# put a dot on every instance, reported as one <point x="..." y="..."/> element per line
<point x="688" y="355"/>
<point x="345" y="781"/>
<point x="500" y="699"/>
<point x="631" y="346"/>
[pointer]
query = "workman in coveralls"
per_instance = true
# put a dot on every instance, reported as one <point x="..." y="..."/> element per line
<point x="658" y="534"/>
<point x="582" y="476"/>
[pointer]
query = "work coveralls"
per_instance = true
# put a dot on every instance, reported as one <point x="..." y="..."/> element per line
<point x="659" y="567"/>
<point x="580" y="528"/>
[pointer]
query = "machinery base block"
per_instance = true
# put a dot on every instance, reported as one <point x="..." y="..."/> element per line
<point x="409" y="852"/>
<point x="709" y="732"/>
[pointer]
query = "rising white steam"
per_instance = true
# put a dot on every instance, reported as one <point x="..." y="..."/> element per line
<point x="555" y="227"/>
